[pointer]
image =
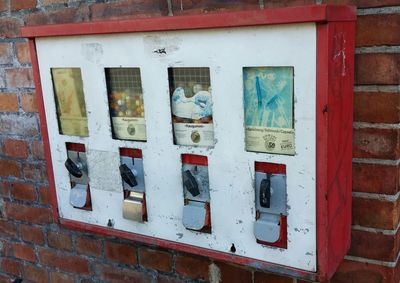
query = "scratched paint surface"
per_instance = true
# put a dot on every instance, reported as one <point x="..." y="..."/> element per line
<point x="231" y="167"/>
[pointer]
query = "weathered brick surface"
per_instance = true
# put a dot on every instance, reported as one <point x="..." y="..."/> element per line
<point x="376" y="143"/>
<point x="18" y="125"/>
<point x="59" y="240"/>
<point x="65" y="262"/>
<point x="10" y="168"/>
<point x="260" y="277"/>
<point x="192" y="267"/>
<point x="9" y="27"/>
<point x="61" y="277"/>
<point x="23" y="191"/>
<point x="155" y="259"/>
<point x="19" y="77"/>
<point x="25" y="252"/>
<point x="376" y="213"/>
<point x="376" y="178"/>
<point x="89" y="246"/>
<point x="11" y="266"/>
<point x="6" y="53"/>
<point x="120" y="275"/>
<point x="377" y="68"/>
<point x="15" y="148"/>
<point x="29" y="103"/>
<point x="364" y="3"/>
<point x="122" y="253"/>
<point x="31" y="234"/>
<point x="8" y="102"/>
<point x="369" y="29"/>
<point x="23" y="54"/>
<point x="375" y="245"/>
<point x="67" y="15"/>
<point x="129" y="9"/>
<point x="233" y="274"/>
<point x="25" y="4"/>
<point x="22" y="212"/>
<point x="205" y="6"/>
<point x="377" y="107"/>
<point x="36" y="274"/>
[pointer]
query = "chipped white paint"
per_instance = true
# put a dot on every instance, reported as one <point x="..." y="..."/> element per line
<point x="231" y="168"/>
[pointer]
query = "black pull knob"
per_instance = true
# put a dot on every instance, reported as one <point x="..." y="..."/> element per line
<point x="265" y="192"/>
<point x="73" y="168"/>
<point x="127" y="175"/>
<point x="190" y="183"/>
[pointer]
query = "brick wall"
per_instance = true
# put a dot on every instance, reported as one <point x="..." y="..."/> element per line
<point x="36" y="249"/>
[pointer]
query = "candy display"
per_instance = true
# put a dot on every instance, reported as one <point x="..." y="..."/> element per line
<point x="191" y="105"/>
<point x="126" y="103"/>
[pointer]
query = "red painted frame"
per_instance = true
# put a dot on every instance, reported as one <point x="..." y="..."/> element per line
<point x="335" y="65"/>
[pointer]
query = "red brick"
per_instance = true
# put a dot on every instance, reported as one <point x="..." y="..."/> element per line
<point x="8" y="229"/>
<point x="44" y="195"/>
<point x="9" y="27"/>
<point x="36" y="215"/>
<point x="19" y="77"/>
<point x="8" y="102"/>
<point x="376" y="246"/>
<point x="378" y="68"/>
<point x="23" y="191"/>
<point x="6" y="53"/>
<point x="23" y="54"/>
<point x="192" y="267"/>
<point x="155" y="259"/>
<point x="234" y="274"/>
<point x="122" y="275"/>
<point x="66" y="15"/>
<point x="34" y="172"/>
<point x="18" y="124"/>
<point x="25" y="252"/>
<point x="37" y="150"/>
<point x="377" y="107"/>
<point x="363" y="3"/>
<point x="375" y="213"/>
<point x="352" y="271"/>
<point x="88" y="246"/>
<point x="10" y="168"/>
<point x="29" y="103"/>
<point x="35" y="274"/>
<point x="129" y="9"/>
<point x="11" y="266"/>
<point x="63" y="261"/>
<point x="370" y="30"/>
<point x="59" y="241"/>
<point x="15" y="148"/>
<point x="31" y="234"/>
<point x="61" y="278"/>
<point x="376" y="143"/>
<point x="376" y="178"/>
<point x="268" y="277"/>
<point x="22" y="4"/>
<point x="204" y="6"/>
<point x="123" y="253"/>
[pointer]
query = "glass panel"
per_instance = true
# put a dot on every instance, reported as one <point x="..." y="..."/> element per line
<point x="70" y="101"/>
<point x="268" y="107"/>
<point x="191" y="104"/>
<point x="125" y="98"/>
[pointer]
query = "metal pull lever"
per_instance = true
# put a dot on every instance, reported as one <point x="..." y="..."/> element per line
<point x="190" y="183"/>
<point x="73" y="168"/>
<point x="127" y="175"/>
<point x="265" y="192"/>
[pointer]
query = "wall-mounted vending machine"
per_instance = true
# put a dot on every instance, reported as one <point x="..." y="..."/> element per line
<point x="227" y="135"/>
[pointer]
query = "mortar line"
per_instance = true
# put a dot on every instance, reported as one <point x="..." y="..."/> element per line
<point x="385" y="197"/>
<point x="377" y="230"/>
<point x="378" y="11"/>
<point x="376" y="161"/>
<point x="363" y="125"/>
